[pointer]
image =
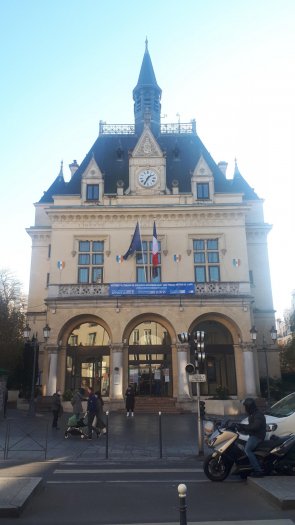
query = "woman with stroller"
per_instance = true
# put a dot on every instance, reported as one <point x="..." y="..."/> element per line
<point x="76" y="402"/>
<point x="91" y="410"/>
<point x="100" y="424"/>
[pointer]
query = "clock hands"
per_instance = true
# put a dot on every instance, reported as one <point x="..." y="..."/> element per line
<point x="148" y="177"/>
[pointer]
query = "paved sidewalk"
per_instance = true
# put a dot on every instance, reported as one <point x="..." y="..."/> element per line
<point x="24" y="440"/>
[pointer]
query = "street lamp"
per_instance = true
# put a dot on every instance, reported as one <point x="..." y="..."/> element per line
<point x="273" y="335"/>
<point x="46" y="334"/>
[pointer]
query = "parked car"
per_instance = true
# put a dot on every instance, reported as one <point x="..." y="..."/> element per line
<point x="280" y="417"/>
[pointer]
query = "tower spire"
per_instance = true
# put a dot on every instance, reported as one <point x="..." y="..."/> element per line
<point x="147" y="96"/>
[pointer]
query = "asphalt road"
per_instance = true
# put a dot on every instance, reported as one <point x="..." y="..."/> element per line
<point x="134" y="492"/>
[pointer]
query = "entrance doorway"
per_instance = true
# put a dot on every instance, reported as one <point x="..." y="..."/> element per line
<point x="151" y="378"/>
<point x="149" y="360"/>
<point x="88" y="358"/>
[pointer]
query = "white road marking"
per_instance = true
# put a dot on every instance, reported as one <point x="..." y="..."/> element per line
<point x="125" y="471"/>
<point x="69" y="482"/>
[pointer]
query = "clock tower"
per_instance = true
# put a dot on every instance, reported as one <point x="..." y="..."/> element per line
<point x="147" y="166"/>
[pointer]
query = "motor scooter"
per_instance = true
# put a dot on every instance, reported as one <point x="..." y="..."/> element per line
<point x="276" y="455"/>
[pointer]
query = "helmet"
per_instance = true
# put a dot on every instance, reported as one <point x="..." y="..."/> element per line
<point x="249" y="404"/>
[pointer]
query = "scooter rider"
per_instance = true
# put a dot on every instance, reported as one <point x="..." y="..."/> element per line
<point x="256" y="429"/>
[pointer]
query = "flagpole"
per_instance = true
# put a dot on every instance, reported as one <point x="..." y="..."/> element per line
<point x="144" y="266"/>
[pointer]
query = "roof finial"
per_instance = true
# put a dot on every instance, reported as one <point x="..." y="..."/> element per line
<point x="146" y="44"/>
<point x="61" y="174"/>
<point x="237" y="171"/>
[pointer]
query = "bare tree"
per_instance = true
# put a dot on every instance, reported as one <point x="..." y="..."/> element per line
<point x="12" y="320"/>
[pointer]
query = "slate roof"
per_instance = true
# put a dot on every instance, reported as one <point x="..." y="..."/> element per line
<point x="183" y="151"/>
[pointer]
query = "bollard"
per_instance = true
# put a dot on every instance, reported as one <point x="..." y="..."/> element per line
<point x="107" y="434"/>
<point x="182" y="504"/>
<point x="160" y="435"/>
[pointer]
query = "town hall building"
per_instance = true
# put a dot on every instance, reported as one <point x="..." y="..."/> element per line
<point x="149" y="238"/>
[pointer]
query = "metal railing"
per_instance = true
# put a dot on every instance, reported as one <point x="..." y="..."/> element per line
<point x="230" y="289"/>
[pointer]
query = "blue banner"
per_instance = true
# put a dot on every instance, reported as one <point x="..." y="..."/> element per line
<point x="151" y="288"/>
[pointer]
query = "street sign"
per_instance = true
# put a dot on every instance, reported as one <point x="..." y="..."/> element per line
<point x="197" y="378"/>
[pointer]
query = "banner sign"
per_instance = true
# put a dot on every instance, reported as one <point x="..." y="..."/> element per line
<point x="151" y="288"/>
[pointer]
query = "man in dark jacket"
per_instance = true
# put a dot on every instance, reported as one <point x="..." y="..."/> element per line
<point x="56" y="407"/>
<point x="256" y="429"/>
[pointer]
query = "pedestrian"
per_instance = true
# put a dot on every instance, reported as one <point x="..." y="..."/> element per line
<point x="256" y="428"/>
<point x="76" y="402"/>
<point x="130" y="401"/>
<point x="5" y="401"/>
<point x="100" y="424"/>
<point x="56" y="408"/>
<point x="91" y="410"/>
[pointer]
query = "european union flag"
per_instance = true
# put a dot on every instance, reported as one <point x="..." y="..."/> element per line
<point x="135" y="245"/>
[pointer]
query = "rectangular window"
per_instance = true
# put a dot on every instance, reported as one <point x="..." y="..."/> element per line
<point x="144" y="264"/>
<point x="135" y="336"/>
<point x="148" y="337"/>
<point x="206" y="260"/>
<point x="49" y="251"/>
<point x="47" y="279"/>
<point x="73" y="340"/>
<point x="90" y="262"/>
<point x="202" y="190"/>
<point x="91" y="339"/>
<point x="92" y="192"/>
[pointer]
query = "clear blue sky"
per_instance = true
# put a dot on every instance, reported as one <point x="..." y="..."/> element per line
<point x="66" y="64"/>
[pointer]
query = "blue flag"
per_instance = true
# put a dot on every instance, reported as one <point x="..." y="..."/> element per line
<point x="135" y="245"/>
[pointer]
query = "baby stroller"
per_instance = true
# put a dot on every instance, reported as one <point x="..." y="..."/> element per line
<point x="76" y="427"/>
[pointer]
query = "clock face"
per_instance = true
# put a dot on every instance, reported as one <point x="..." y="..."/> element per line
<point x="147" y="178"/>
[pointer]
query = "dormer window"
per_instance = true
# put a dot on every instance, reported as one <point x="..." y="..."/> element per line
<point x="202" y="190"/>
<point x="92" y="192"/>
<point x="202" y="182"/>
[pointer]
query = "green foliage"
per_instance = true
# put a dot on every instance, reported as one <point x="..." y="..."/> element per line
<point x="287" y="356"/>
<point x="221" y="392"/>
<point x="278" y="388"/>
<point x="67" y="395"/>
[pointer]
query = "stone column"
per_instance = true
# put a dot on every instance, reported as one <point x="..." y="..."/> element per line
<point x="116" y="372"/>
<point x="182" y="361"/>
<point x="249" y="369"/>
<point x="52" y="371"/>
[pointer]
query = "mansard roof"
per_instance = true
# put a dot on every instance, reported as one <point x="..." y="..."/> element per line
<point x="183" y="151"/>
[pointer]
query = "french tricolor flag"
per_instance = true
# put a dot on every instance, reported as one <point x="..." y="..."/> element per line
<point x="155" y="252"/>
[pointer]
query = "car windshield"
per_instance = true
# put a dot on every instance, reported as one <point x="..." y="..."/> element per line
<point x="284" y="407"/>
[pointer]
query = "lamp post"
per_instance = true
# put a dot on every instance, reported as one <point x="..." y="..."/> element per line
<point x="46" y="333"/>
<point x="273" y="335"/>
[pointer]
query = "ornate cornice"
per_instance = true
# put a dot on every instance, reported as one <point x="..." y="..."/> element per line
<point x="89" y="219"/>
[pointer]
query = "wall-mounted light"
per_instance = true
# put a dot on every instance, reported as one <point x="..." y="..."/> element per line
<point x="180" y="304"/>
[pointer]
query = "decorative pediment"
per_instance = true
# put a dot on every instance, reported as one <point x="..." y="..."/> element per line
<point x="147" y="145"/>
<point x="202" y="169"/>
<point x="92" y="172"/>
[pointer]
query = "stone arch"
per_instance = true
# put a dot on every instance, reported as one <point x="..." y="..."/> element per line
<point x="70" y="325"/>
<point x="148" y="316"/>
<point x="151" y="365"/>
<point x="73" y="359"/>
<point x="222" y="359"/>
<point x="224" y="320"/>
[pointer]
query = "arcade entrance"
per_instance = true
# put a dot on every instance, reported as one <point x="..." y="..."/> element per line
<point x="88" y="358"/>
<point x="149" y="360"/>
